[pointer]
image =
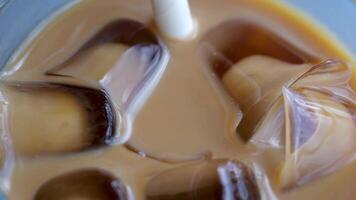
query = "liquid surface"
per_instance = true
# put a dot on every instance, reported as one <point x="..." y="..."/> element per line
<point x="125" y="117"/>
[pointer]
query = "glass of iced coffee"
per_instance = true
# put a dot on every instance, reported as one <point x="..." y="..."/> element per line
<point x="173" y="100"/>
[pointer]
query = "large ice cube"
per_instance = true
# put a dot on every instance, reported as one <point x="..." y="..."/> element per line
<point x="253" y="62"/>
<point x="132" y="60"/>
<point x="320" y="124"/>
<point x="311" y="107"/>
<point x="81" y="103"/>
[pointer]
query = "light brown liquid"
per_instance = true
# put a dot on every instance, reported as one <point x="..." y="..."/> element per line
<point x="189" y="115"/>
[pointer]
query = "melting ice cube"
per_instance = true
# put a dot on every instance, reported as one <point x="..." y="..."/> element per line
<point x="320" y="124"/>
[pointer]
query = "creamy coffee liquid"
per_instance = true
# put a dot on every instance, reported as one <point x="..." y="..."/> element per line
<point x="102" y="106"/>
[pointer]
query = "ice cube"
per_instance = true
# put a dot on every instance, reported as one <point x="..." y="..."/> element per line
<point x="240" y="42"/>
<point x="214" y="179"/>
<point x="133" y="78"/>
<point x="127" y="59"/>
<point x="320" y="124"/>
<point x="53" y="118"/>
<point x="78" y="108"/>
<point x="83" y="184"/>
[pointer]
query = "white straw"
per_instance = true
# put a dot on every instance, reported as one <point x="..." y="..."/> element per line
<point x="174" y="18"/>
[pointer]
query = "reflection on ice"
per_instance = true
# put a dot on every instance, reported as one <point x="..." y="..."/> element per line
<point x="133" y="78"/>
<point x="131" y="73"/>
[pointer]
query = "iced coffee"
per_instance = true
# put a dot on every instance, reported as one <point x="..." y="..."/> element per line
<point x="99" y="104"/>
